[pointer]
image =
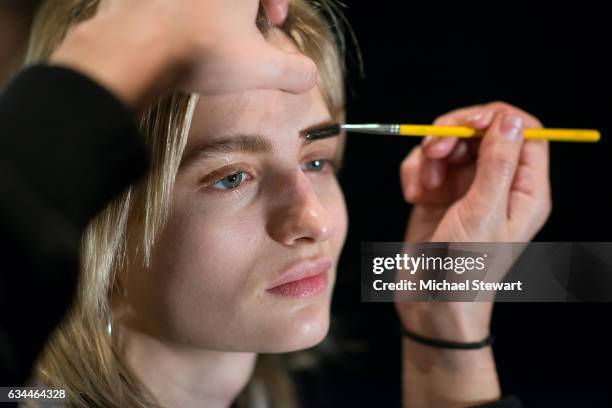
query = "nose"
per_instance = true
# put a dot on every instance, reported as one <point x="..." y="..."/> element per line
<point x="298" y="216"/>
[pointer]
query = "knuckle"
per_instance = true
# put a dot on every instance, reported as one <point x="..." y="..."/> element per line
<point x="499" y="105"/>
<point x="465" y="110"/>
<point x="525" y="180"/>
<point x="502" y="165"/>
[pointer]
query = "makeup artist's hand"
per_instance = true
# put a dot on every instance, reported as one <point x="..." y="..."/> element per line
<point x="494" y="188"/>
<point x="141" y="49"/>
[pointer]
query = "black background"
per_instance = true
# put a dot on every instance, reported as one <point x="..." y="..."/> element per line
<point x="423" y="59"/>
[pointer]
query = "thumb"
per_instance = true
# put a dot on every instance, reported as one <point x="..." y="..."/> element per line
<point x="498" y="158"/>
<point x="274" y="68"/>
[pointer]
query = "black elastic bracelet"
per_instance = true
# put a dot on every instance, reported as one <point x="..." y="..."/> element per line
<point x="446" y="343"/>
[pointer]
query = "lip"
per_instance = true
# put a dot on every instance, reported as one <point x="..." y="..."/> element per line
<point x="304" y="279"/>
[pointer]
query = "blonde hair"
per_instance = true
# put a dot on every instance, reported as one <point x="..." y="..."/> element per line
<point x="80" y="356"/>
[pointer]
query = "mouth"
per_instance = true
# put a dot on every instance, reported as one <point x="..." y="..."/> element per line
<point x="304" y="279"/>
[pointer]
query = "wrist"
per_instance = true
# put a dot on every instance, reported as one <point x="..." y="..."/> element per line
<point x="451" y="321"/>
<point x="446" y="377"/>
<point x="428" y="360"/>
<point x="435" y="377"/>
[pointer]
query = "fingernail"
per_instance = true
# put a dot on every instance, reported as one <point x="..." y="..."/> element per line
<point x="434" y="141"/>
<point x="480" y="120"/>
<point x="439" y="147"/>
<point x="444" y="142"/>
<point x="474" y="117"/>
<point x="512" y="126"/>
<point x="428" y="140"/>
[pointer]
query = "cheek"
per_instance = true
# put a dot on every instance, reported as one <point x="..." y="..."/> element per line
<point x="199" y="271"/>
<point x="213" y="251"/>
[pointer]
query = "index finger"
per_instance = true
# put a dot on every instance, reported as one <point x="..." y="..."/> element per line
<point x="441" y="147"/>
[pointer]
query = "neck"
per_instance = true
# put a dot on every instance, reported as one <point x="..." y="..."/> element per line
<point x="179" y="376"/>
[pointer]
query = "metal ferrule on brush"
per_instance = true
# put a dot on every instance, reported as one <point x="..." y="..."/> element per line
<point x="381" y="129"/>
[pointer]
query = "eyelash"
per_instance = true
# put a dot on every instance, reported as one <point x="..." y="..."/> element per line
<point x="326" y="165"/>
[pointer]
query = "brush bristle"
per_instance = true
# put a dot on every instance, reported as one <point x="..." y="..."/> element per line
<point x="322" y="133"/>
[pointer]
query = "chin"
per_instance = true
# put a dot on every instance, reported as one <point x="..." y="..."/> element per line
<point x="302" y="329"/>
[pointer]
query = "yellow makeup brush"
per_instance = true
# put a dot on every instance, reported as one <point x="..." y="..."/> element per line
<point x="556" y="135"/>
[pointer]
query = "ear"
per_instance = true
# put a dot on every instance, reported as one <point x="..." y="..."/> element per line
<point x="277" y="11"/>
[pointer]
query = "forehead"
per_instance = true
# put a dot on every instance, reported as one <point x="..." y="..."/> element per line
<point x="260" y="111"/>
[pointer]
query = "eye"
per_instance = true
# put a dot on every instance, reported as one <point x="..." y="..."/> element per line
<point x="230" y="182"/>
<point x="315" y="165"/>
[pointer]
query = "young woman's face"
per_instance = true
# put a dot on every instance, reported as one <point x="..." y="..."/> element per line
<point x="254" y="206"/>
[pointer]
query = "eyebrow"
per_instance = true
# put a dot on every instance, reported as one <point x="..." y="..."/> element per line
<point x="320" y="131"/>
<point x="239" y="143"/>
<point x="244" y="143"/>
